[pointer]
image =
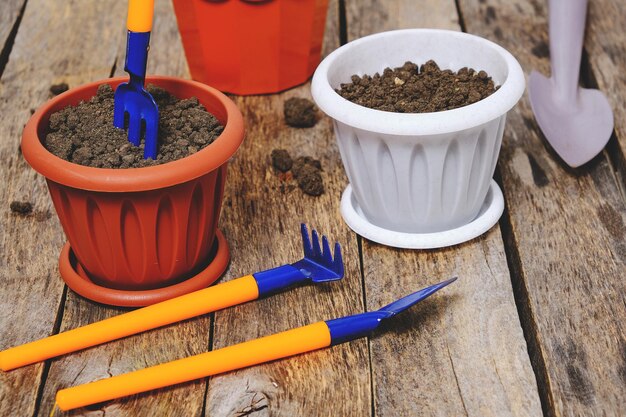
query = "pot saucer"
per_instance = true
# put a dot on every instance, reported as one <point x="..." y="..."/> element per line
<point x="76" y="278"/>
<point x="488" y="216"/>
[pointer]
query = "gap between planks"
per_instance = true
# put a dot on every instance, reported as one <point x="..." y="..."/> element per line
<point x="343" y="39"/>
<point x="524" y="311"/>
<point x="10" y="37"/>
<point x="520" y="292"/>
<point x="612" y="151"/>
<point x="48" y="362"/>
<point x="569" y="266"/>
<point x="433" y="317"/>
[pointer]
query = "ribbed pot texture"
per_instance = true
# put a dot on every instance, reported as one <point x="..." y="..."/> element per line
<point x="139" y="228"/>
<point x="419" y="173"/>
<point x="252" y="47"/>
<point x="417" y="184"/>
<point x="145" y="239"/>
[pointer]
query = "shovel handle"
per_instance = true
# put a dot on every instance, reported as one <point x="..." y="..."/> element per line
<point x="140" y="14"/>
<point x="197" y="303"/>
<point x="280" y="345"/>
<point x="567" y="31"/>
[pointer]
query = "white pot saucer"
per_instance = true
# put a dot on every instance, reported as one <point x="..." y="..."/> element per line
<point x="488" y="216"/>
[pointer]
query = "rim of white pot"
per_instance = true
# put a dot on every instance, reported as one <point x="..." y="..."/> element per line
<point x="345" y="111"/>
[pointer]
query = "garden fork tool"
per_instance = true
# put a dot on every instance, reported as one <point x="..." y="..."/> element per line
<point x="578" y="122"/>
<point x="318" y="265"/>
<point x="280" y="345"/>
<point x="132" y="98"/>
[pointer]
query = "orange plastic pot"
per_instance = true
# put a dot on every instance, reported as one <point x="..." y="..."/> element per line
<point x="139" y="228"/>
<point x="250" y="46"/>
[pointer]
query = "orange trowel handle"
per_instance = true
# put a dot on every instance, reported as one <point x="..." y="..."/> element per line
<point x="280" y="345"/>
<point x="184" y="307"/>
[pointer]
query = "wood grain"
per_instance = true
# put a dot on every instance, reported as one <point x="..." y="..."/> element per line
<point x="459" y="353"/>
<point x="261" y="223"/>
<point x="462" y="352"/>
<point x="568" y="227"/>
<point x="605" y="44"/>
<point x="9" y="21"/>
<point x="48" y="49"/>
<point x="381" y="16"/>
<point x="154" y="347"/>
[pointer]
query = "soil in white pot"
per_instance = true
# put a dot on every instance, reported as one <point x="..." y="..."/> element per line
<point x="85" y="135"/>
<point x="413" y="89"/>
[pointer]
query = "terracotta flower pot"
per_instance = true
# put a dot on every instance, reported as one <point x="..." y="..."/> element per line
<point x="139" y="228"/>
<point x="251" y="46"/>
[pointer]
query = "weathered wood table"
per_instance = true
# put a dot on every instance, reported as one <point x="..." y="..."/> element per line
<point x="535" y="325"/>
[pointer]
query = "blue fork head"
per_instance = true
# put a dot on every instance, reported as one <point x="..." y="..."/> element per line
<point x="318" y="261"/>
<point x="131" y="98"/>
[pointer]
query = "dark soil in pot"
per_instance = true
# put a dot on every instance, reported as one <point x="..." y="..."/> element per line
<point x="413" y="89"/>
<point x="85" y="134"/>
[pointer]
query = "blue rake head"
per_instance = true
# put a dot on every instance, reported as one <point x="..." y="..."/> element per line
<point x="132" y="98"/>
<point x="318" y="265"/>
<point x="318" y="261"/>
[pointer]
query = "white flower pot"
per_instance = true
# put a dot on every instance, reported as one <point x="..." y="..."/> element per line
<point x="428" y="172"/>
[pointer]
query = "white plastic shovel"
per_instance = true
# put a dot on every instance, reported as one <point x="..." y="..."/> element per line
<point x="577" y="122"/>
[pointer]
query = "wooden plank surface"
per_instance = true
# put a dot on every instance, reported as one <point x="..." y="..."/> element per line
<point x="462" y="352"/>
<point x="568" y="228"/>
<point x="154" y="347"/>
<point x="261" y="223"/>
<point x="9" y="21"/>
<point x="605" y="44"/>
<point x="48" y="49"/>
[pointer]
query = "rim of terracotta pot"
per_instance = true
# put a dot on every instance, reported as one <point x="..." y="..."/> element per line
<point x="135" y="179"/>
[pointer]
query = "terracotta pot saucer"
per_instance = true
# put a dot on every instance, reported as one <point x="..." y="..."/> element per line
<point x="77" y="279"/>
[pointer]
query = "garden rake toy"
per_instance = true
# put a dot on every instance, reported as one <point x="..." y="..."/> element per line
<point x="131" y="98"/>
<point x="280" y="345"/>
<point x="318" y="265"/>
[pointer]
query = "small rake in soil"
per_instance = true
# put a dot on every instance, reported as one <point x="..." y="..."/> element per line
<point x="131" y="98"/>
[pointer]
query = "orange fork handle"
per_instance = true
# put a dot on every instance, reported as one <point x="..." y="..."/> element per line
<point x="280" y="345"/>
<point x="200" y="302"/>
<point x="140" y="14"/>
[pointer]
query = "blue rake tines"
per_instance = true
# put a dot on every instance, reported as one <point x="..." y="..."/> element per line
<point x="318" y="260"/>
<point x="132" y="98"/>
<point x="318" y="265"/>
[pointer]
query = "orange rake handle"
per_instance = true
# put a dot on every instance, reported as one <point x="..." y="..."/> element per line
<point x="200" y="302"/>
<point x="281" y="345"/>
<point x="317" y="266"/>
